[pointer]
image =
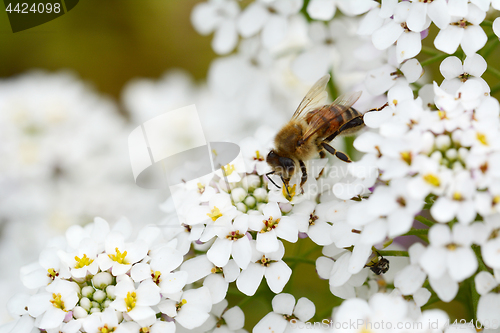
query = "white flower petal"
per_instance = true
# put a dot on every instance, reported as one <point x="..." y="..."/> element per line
<point x="484" y="282"/>
<point x="277" y="275"/>
<point x="445" y="287"/>
<point x="305" y="309"/>
<point x="408" y="46"/>
<point x="283" y="304"/>
<point x="321" y="9"/>
<point x="387" y="35"/>
<point x="474" y="38"/>
<point x="250" y="279"/>
<point x="409" y="279"/>
<point x="447" y="40"/>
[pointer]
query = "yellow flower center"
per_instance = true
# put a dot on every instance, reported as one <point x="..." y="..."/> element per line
<point x="234" y="235"/>
<point x="270" y="224"/>
<point x="52" y="273"/>
<point x="482" y="138"/>
<point x="496" y="199"/>
<point x="201" y="188"/>
<point x="180" y="304"/>
<point x="106" y="329"/>
<point x="258" y="156"/>
<point x="119" y="257"/>
<point x="130" y="300"/>
<point x="57" y="302"/>
<point x="406" y="156"/>
<point x="291" y="191"/>
<point x="457" y="196"/>
<point x="84" y="261"/>
<point x="156" y="277"/>
<point x="432" y="179"/>
<point x="228" y="169"/>
<point x="214" y="214"/>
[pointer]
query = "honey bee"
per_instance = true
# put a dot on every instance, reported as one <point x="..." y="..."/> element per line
<point x="310" y="131"/>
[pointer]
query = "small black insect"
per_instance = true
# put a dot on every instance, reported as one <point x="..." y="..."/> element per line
<point x="378" y="265"/>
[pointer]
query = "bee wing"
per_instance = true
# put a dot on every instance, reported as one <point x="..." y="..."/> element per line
<point x="321" y="119"/>
<point x="314" y="96"/>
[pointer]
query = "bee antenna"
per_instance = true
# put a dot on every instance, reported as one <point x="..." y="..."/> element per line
<point x="272" y="181"/>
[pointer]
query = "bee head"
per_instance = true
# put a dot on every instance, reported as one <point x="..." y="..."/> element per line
<point x="282" y="166"/>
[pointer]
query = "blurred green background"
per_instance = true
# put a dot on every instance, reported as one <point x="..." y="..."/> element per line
<point x="109" y="42"/>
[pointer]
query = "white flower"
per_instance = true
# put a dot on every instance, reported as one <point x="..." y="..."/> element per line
<point x="455" y="74"/>
<point x="410" y="279"/>
<point x="463" y="31"/>
<point x="83" y="261"/>
<point x="190" y="309"/>
<point x="285" y="314"/>
<point x="487" y="310"/>
<point x="270" y="17"/>
<point x="119" y="256"/>
<point x="271" y="226"/>
<point x="382" y="79"/>
<point x="217" y="279"/>
<point x="449" y="251"/>
<point x="436" y="10"/>
<point x="312" y="220"/>
<point x="408" y="42"/>
<point x="136" y="303"/>
<point x="218" y="16"/>
<point x="270" y="265"/>
<point x="231" y="240"/>
<point x="60" y="298"/>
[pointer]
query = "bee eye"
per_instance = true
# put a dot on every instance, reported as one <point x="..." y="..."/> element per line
<point x="287" y="164"/>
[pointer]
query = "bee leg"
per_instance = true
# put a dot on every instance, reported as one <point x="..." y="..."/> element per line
<point x="303" y="179"/>
<point x="322" y="154"/>
<point x="342" y="156"/>
<point x="378" y="109"/>
<point x="352" y="125"/>
<point x="272" y="181"/>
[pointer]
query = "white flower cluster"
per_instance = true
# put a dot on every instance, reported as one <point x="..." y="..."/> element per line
<point x="98" y="281"/>
<point x="431" y="155"/>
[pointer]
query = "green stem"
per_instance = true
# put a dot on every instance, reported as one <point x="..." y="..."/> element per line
<point x="434" y="59"/>
<point x="425" y="221"/>
<point x="299" y="260"/>
<point x="486" y="23"/>
<point x="490" y="47"/>
<point x="493" y="71"/>
<point x="430" y="51"/>
<point x="417" y="232"/>
<point x="393" y="253"/>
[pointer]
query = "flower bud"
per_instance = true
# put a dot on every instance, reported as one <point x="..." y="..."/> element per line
<point x="107" y="303"/>
<point x="99" y="296"/>
<point x="427" y="142"/>
<point x="437" y="156"/>
<point x="250" y="201"/>
<point x="85" y="303"/>
<point x="443" y="142"/>
<point x="238" y="194"/>
<point x="285" y="207"/>
<point x="94" y="310"/>
<point x="260" y="207"/>
<point x="260" y="194"/>
<point x="456" y="136"/>
<point x="102" y="280"/>
<point x="79" y="312"/>
<point x="88" y="291"/>
<point x="451" y="154"/>
<point x="110" y="292"/>
<point x="241" y="207"/>
<point x="252" y="182"/>
<point x="463" y="153"/>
